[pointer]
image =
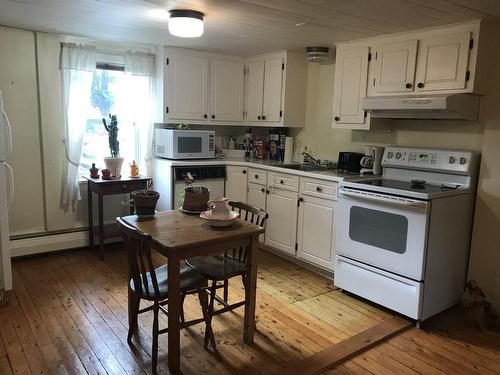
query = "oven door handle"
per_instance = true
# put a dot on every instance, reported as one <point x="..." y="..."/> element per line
<point x="383" y="199"/>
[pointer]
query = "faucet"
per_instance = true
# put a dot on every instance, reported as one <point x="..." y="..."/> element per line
<point x="315" y="161"/>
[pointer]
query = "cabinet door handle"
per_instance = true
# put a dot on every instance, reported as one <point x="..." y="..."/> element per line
<point x="318" y="189"/>
<point x="263" y="190"/>
<point x="408" y="85"/>
<point x="420" y="85"/>
<point x="258" y="117"/>
<point x="205" y="116"/>
<point x="282" y="182"/>
<point x="213" y="116"/>
<point x="256" y="176"/>
<point x="263" y="117"/>
<point x="337" y="118"/>
<point x="267" y="191"/>
<point x="244" y="171"/>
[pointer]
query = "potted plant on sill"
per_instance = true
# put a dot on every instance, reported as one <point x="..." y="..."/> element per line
<point x="114" y="162"/>
<point x="144" y="201"/>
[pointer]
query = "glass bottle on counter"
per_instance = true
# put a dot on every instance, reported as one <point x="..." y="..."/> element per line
<point x="248" y="144"/>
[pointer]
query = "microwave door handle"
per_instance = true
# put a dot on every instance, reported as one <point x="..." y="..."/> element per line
<point x="396" y="202"/>
<point x="9" y="133"/>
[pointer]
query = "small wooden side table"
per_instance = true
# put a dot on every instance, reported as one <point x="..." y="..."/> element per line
<point x="108" y="187"/>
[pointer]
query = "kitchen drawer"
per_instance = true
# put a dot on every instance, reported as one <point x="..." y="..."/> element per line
<point x="392" y="291"/>
<point x="318" y="188"/>
<point x="257" y="176"/>
<point x="284" y="181"/>
<point x="118" y="187"/>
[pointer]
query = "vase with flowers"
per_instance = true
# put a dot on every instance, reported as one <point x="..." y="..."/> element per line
<point x="114" y="162"/>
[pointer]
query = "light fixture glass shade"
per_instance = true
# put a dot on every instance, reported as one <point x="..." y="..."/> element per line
<point x="185" y="24"/>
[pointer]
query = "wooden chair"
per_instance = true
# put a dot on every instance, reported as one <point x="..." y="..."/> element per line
<point x="151" y="284"/>
<point x="222" y="267"/>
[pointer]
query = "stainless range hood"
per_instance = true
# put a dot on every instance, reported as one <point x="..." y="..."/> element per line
<point x="451" y="106"/>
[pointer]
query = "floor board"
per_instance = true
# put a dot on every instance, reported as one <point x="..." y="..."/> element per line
<point x="68" y="315"/>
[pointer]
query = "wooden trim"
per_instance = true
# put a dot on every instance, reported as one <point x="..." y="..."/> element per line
<point x="348" y="348"/>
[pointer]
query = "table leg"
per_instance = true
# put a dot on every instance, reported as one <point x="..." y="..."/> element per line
<point x="90" y="216"/>
<point x="174" y="301"/>
<point x="101" y="226"/>
<point x="249" y="323"/>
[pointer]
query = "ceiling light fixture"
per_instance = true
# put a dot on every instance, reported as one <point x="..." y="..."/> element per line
<point x="185" y="23"/>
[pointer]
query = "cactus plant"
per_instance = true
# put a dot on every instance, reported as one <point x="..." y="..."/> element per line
<point x="112" y="129"/>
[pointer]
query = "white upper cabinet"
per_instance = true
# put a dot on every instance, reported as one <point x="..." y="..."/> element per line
<point x="226" y="90"/>
<point x="203" y="88"/>
<point x="351" y="75"/>
<point x="254" y="90"/>
<point x="393" y="67"/>
<point x="273" y="83"/>
<point x="443" y="62"/>
<point x="186" y="86"/>
<point x="275" y="93"/>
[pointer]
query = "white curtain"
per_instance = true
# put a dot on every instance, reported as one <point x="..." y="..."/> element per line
<point x="140" y="63"/>
<point x="77" y="64"/>
<point x="140" y="66"/>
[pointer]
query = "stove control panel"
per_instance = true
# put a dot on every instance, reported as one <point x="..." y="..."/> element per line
<point x="452" y="161"/>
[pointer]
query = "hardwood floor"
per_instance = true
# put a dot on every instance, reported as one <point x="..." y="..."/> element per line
<point x="68" y="315"/>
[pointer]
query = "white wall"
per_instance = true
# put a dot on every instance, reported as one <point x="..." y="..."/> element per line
<point x="18" y="85"/>
<point x="39" y="156"/>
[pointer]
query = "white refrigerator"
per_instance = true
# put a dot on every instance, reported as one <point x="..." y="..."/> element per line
<point x="6" y="196"/>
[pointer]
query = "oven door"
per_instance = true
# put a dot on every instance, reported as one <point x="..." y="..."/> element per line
<point x="383" y="231"/>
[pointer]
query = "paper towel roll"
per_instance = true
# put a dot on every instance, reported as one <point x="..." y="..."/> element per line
<point x="288" y="150"/>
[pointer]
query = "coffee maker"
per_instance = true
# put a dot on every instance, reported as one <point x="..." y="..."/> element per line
<point x="372" y="161"/>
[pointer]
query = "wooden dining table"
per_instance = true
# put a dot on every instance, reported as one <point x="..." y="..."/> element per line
<point x="178" y="236"/>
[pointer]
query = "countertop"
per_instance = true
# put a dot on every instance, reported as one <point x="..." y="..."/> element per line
<point x="271" y="165"/>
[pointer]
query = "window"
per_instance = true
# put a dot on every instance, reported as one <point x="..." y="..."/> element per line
<point x="124" y="95"/>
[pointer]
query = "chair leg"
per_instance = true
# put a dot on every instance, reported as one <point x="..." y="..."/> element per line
<point x="213" y="290"/>
<point x="133" y="309"/>
<point x="154" y="351"/>
<point x="203" y="297"/>
<point x="183" y="297"/>
<point x="226" y="282"/>
<point x="245" y="285"/>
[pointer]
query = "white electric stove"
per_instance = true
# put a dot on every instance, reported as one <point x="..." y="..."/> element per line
<point x="403" y="238"/>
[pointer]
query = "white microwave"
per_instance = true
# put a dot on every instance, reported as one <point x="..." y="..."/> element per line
<point x="184" y="144"/>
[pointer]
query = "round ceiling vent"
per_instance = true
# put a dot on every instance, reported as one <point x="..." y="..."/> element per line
<point x="319" y="55"/>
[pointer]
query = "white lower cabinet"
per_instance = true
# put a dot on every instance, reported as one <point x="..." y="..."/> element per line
<point x="281" y="227"/>
<point x="315" y="231"/>
<point x="236" y="183"/>
<point x="256" y="195"/>
<point x="303" y="227"/>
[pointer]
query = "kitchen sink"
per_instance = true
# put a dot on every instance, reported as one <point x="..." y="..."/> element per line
<point x="305" y="167"/>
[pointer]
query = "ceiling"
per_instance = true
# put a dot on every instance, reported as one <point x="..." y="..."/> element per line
<point x="242" y="27"/>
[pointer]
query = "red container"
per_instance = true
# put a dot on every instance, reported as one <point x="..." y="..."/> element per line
<point x="260" y="146"/>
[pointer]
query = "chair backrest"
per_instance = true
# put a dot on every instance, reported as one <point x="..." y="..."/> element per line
<point x="140" y="262"/>
<point x="251" y="214"/>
